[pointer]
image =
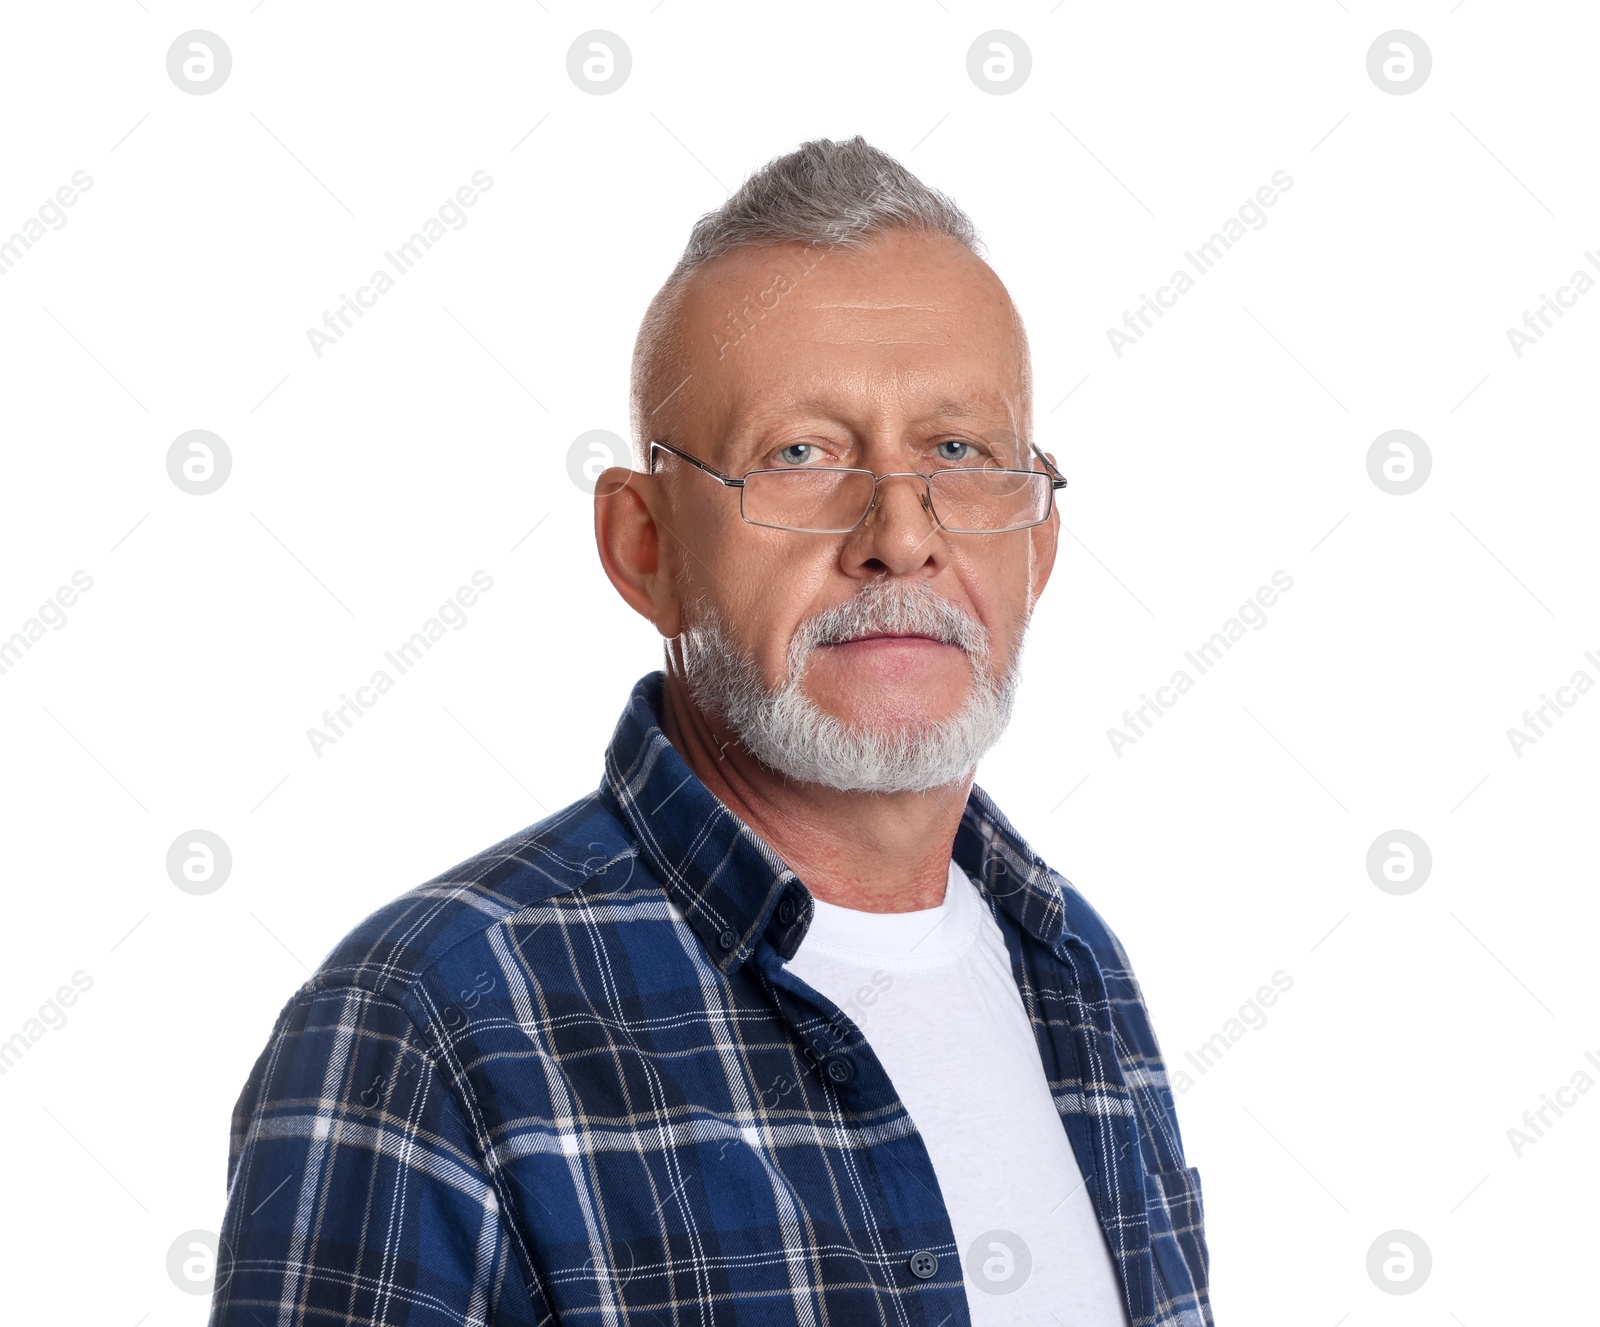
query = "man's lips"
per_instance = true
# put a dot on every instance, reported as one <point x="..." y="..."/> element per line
<point x="892" y="638"/>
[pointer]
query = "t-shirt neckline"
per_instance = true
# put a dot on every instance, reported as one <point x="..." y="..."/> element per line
<point x="927" y="934"/>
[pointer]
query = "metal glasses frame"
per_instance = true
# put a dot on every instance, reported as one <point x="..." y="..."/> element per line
<point x="1057" y="481"/>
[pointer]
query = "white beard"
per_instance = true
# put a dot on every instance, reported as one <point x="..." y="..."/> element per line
<point x="786" y="730"/>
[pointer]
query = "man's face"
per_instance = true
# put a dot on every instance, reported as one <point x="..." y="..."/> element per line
<point x="904" y="355"/>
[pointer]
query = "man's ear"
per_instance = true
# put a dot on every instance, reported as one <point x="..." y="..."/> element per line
<point x="631" y="548"/>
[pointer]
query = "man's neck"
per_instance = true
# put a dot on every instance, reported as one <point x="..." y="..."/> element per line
<point x="875" y="852"/>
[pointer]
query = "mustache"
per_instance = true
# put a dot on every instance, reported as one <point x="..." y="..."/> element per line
<point x="882" y="606"/>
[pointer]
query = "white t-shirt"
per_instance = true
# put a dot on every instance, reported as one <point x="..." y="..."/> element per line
<point x="942" y="1012"/>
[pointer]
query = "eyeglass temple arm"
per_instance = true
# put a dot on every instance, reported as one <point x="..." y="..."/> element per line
<point x="1057" y="479"/>
<point x="729" y="480"/>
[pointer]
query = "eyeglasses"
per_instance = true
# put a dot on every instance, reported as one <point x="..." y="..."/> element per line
<point x="972" y="499"/>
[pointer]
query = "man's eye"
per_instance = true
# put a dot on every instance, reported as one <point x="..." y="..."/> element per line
<point x="964" y="451"/>
<point x="797" y="453"/>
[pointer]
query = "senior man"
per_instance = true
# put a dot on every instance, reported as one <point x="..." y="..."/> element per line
<point x="785" y="1023"/>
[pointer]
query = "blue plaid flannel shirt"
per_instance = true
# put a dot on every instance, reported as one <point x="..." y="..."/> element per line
<point x="523" y="1093"/>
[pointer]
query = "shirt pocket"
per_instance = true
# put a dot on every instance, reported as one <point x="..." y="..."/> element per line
<point x="1178" y="1243"/>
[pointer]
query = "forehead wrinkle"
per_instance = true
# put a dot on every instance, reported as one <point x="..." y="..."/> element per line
<point x="864" y="330"/>
<point x="879" y="304"/>
<point x="869" y="340"/>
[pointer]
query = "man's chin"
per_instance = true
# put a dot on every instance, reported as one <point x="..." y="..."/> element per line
<point x="876" y="741"/>
<point x="890" y="713"/>
<point x="903" y="716"/>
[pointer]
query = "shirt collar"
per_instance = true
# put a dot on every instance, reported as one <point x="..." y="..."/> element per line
<point x="728" y="882"/>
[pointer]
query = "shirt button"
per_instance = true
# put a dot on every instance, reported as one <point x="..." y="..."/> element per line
<point x="839" y="1069"/>
<point x="728" y="939"/>
<point x="787" y="912"/>
<point x="923" y="1264"/>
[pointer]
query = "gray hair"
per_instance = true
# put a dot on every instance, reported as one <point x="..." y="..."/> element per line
<point x="824" y="193"/>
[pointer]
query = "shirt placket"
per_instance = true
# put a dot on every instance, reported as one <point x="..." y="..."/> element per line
<point x="930" y="1264"/>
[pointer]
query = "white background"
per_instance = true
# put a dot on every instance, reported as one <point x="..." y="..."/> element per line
<point x="1230" y="442"/>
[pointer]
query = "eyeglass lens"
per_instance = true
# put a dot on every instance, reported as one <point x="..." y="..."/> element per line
<point x="824" y="500"/>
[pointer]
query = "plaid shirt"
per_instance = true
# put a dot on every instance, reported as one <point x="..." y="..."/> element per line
<point x="523" y="1093"/>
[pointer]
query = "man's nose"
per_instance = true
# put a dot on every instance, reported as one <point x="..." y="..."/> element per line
<point x="902" y="497"/>
<point x="900" y="523"/>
